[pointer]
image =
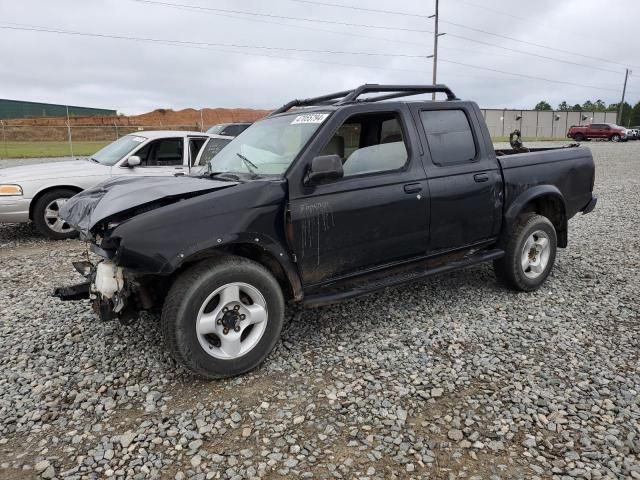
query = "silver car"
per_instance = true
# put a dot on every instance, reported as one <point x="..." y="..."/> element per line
<point x="36" y="192"/>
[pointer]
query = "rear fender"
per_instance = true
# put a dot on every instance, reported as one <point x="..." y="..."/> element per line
<point x="545" y="200"/>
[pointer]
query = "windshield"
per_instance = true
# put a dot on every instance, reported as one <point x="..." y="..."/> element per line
<point x="269" y="146"/>
<point x="112" y="153"/>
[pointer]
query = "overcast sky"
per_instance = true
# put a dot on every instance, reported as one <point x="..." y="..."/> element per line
<point x="138" y="76"/>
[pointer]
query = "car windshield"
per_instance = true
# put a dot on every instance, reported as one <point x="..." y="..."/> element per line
<point x="112" y="153"/>
<point x="269" y="146"/>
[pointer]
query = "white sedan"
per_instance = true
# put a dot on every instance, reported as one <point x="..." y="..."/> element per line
<point x="36" y="192"/>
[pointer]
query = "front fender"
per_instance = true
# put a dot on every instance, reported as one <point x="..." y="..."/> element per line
<point x="230" y="242"/>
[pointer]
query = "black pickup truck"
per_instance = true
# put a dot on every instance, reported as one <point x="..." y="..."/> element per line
<point x="323" y="200"/>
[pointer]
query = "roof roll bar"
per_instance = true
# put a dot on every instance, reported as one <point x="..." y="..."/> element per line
<point x="351" y="96"/>
<point x="321" y="100"/>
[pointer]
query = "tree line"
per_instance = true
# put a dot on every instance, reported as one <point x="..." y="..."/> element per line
<point x="630" y="114"/>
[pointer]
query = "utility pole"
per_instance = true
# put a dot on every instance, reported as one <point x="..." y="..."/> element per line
<point x="435" y="48"/>
<point x="69" y="132"/>
<point x="624" y="90"/>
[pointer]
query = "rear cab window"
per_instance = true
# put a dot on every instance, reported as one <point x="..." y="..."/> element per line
<point x="449" y="136"/>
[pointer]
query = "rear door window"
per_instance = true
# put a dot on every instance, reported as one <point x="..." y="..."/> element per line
<point x="449" y="136"/>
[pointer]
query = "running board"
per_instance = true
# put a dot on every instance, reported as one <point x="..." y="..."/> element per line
<point x="347" y="293"/>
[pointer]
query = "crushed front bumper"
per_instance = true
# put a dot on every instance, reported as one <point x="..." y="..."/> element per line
<point x="106" y="288"/>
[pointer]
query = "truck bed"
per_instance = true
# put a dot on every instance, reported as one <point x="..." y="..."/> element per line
<point x="509" y="151"/>
<point x="570" y="169"/>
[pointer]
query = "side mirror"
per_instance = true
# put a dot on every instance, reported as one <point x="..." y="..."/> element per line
<point x="325" y="168"/>
<point x="133" y="161"/>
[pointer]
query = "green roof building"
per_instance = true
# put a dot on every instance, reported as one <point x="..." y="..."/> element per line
<point x="22" y="109"/>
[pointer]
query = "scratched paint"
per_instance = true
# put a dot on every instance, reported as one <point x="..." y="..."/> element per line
<point x="317" y="218"/>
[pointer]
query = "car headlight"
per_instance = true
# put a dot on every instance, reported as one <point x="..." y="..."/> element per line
<point x="10" y="190"/>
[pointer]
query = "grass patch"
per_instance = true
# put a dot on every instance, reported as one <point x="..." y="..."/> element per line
<point x="48" y="149"/>
<point x="83" y="149"/>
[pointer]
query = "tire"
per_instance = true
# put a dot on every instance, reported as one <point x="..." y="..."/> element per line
<point x="511" y="270"/>
<point x="45" y="219"/>
<point x="192" y="299"/>
<point x="615" y="138"/>
<point x="578" y="137"/>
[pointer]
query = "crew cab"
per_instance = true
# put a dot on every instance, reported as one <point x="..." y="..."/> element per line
<point x="604" y="131"/>
<point x="37" y="192"/>
<point x="324" y="200"/>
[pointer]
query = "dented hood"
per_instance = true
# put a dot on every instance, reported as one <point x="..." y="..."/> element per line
<point x="119" y="195"/>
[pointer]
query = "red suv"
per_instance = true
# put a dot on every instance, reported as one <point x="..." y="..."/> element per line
<point x="609" y="131"/>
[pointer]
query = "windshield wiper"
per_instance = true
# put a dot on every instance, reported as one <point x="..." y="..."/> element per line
<point x="221" y="175"/>
<point x="93" y="160"/>
<point x="249" y="164"/>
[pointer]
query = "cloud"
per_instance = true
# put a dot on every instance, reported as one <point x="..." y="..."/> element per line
<point x="136" y="76"/>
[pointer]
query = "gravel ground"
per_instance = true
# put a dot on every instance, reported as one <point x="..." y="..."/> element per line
<point x="454" y="377"/>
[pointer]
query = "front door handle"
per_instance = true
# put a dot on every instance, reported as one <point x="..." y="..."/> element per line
<point x="481" y="177"/>
<point x="412" y="188"/>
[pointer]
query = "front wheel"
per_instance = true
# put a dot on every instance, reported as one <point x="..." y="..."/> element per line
<point x="578" y="137"/>
<point x="615" y="138"/>
<point x="46" y="215"/>
<point x="222" y="317"/>
<point x="529" y="254"/>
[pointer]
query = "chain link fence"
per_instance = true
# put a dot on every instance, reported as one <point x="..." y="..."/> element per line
<point x="70" y="139"/>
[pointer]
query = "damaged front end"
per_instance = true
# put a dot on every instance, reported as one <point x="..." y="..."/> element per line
<point x="113" y="292"/>
<point x="118" y="291"/>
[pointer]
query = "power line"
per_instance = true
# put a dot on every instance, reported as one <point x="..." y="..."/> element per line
<point x="364" y="9"/>
<point x="569" y="62"/>
<point x="385" y="39"/>
<point x="216" y="11"/>
<point x="209" y="44"/>
<point x="407" y="14"/>
<point x="285" y="17"/>
<point x="194" y="44"/>
<point x="388" y="39"/>
<point x="533" y="43"/>
<point x="528" y="76"/>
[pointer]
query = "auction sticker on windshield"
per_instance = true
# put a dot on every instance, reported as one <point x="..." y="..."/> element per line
<point x="310" y="118"/>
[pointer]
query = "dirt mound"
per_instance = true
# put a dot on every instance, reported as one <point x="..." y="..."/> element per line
<point x="161" y="118"/>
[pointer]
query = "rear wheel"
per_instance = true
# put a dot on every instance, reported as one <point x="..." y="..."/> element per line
<point x="223" y="317"/>
<point x="46" y="214"/>
<point x="578" y="137"/>
<point x="615" y="138"/>
<point x="530" y="253"/>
